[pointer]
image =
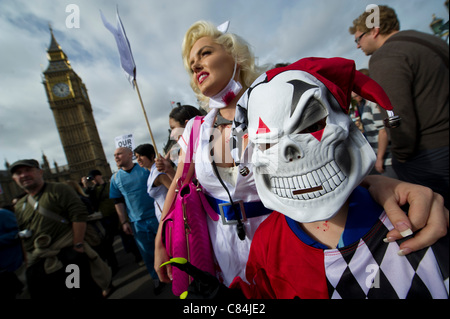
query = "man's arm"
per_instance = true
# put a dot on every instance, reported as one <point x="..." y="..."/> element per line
<point x="381" y="152"/>
<point x="79" y="230"/>
<point x="119" y="203"/>
<point x="123" y="217"/>
<point x="77" y="213"/>
<point x="395" y="77"/>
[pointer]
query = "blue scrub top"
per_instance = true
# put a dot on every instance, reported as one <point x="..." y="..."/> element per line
<point x="132" y="186"/>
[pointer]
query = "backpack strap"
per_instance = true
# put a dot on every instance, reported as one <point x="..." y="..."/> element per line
<point x="189" y="170"/>
<point x="46" y="212"/>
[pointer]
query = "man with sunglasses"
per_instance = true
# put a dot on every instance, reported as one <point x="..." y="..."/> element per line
<point x="412" y="68"/>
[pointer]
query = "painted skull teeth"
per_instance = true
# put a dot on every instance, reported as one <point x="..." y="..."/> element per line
<point x="309" y="186"/>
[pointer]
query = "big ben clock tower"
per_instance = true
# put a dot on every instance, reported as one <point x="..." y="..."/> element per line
<point x="69" y="101"/>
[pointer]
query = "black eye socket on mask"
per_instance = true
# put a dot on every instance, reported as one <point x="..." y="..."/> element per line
<point x="318" y="126"/>
<point x="313" y="118"/>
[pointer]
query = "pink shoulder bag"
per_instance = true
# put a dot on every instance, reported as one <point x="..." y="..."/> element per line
<point x="185" y="230"/>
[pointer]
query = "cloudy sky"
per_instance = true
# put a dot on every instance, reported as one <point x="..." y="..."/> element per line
<point x="278" y="30"/>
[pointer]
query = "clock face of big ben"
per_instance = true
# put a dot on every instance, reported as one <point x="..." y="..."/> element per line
<point x="61" y="89"/>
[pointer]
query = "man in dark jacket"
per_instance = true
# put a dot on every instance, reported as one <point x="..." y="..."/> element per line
<point x="412" y="68"/>
<point x="99" y="197"/>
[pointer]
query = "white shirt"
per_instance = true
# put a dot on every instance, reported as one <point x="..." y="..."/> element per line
<point x="158" y="193"/>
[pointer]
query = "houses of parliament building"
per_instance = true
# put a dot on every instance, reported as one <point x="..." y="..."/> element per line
<point x="69" y="101"/>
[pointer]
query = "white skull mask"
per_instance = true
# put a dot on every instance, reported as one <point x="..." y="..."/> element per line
<point x="308" y="154"/>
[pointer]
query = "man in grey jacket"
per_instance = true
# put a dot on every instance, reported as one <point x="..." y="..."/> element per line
<point x="412" y="68"/>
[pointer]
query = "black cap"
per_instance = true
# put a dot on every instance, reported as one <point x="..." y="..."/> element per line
<point x="24" y="162"/>
<point x="94" y="173"/>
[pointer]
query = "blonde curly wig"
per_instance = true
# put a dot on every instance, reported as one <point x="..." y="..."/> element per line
<point x="237" y="47"/>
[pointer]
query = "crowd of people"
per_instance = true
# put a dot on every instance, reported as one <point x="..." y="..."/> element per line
<point x="262" y="125"/>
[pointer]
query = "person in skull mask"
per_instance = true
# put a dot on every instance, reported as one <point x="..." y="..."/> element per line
<point x="325" y="236"/>
<point x="221" y="67"/>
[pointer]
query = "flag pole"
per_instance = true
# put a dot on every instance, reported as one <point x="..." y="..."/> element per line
<point x="145" y="115"/>
<point x="127" y="61"/>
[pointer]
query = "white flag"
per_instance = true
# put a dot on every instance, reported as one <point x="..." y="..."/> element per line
<point x="126" y="56"/>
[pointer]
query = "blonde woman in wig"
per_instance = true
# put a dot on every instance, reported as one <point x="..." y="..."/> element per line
<point x="221" y="67"/>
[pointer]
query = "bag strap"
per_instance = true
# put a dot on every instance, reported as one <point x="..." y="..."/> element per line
<point x="421" y="42"/>
<point x="189" y="170"/>
<point x="46" y="212"/>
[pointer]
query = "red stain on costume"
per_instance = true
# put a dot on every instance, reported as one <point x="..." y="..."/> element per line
<point x="228" y="97"/>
